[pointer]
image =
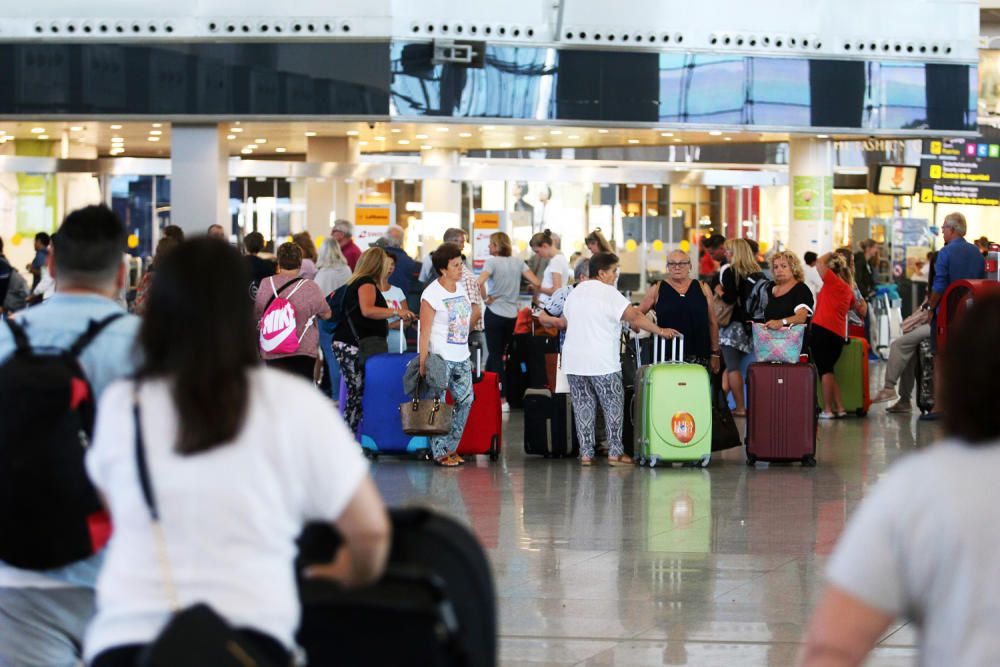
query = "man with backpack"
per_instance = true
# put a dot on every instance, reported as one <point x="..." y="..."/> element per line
<point x="55" y="360"/>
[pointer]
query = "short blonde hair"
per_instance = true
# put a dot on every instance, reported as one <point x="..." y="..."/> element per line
<point x="793" y="263"/>
<point x="503" y="244"/>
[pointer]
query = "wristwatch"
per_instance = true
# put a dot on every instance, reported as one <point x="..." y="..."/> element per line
<point x="784" y="320"/>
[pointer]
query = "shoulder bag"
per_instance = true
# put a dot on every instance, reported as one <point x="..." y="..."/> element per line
<point x="368" y="346"/>
<point x="426" y="416"/>
<point x="196" y="634"/>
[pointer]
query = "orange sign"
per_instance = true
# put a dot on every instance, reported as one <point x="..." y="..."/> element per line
<point x="682" y="425"/>
<point x="372" y="215"/>
<point x="486" y="220"/>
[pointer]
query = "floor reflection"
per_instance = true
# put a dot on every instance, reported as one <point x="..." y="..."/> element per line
<point x="621" y="566"/>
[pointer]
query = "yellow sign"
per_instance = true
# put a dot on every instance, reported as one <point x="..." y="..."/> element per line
<point x="486" y="220"/>
<point x="367" y="216"/>
<point x="927" y="195"/>
<point x="935" y="148"/>
<point x="935" y="171"/>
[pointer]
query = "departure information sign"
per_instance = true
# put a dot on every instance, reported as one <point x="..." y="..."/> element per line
<point x="960" y="171"/>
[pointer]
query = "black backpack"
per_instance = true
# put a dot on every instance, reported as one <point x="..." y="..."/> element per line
<point x="50" y="514"/>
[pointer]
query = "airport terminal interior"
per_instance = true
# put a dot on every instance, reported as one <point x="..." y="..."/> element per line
<point x="801" y="128"/>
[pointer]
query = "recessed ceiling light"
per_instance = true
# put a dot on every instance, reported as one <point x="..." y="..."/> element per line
<point x="530" y="137"/>
<point x="379" y="138"/>
<point x="230" y="136"/>
<point x="443" y="129"/>
<point x="117" y="140"/>
<point x="260" y="141"/>
<point x="404" y="142"/>
<point x="715" y="133"/>
<point x="728" y="138"/>
<point x="310" y="134"/>
<point x="38" y="130"/>
<point x="677" y="141"/>
<point x="236" y="129"/>
<point x="421" y="136"/>
<point x="116" y="127"/>
<point x="362" y="143"/>
<point x="602" y="131"/>
<point x="43" y="136"/>
<point x="157" y="124"/>
<point x="465" y="134"/>
<point x="155" y="133"/>
<point x="573" y="136"/>
<point x="117" y="151"/>
<point x="505" y="145"/>
<point x="426" y="147"/>
<point x="487" y="128"/>
<point x="76" y="128"/>
<point x="555" y="132"/>
<point x="395" y="130"/>
<point x="666" y="134"/>
<point x="633" y="141"/>
<point x="152" y="139"/>
<point x="352" y="133"/>
<point x="280" y="149"/>
<point x="246" y="151"/>
<point x="822" y="136"/>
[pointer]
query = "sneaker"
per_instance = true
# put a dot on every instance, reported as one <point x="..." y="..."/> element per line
<point x="827" y="415"/>
<point x="885" y="395"/>
<point x="899" y="408"/>
<point x="504" y="406"/>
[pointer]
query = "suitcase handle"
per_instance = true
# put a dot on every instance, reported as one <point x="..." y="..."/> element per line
<point x="660" y="350"/>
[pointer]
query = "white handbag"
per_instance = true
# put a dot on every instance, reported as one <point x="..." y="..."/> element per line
<point x="562" y="381"/>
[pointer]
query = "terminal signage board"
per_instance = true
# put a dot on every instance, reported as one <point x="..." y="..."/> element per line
<point x="371" y="221"/>
<point x="960" y="171"/>
<point x="484" y="225"/>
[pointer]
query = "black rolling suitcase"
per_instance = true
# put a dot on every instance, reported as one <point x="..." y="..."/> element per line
<point x="435" y="606"/>
<point x="925" y="376"/>
<point x="549" y="428"/>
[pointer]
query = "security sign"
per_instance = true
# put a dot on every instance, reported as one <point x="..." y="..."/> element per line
<point x="682" y="425"/>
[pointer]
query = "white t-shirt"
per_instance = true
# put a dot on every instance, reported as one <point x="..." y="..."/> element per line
<point x="230" y="515"/>
<point x="925" y="546"/>
<point x="812" y="279"/>
<point x="557" y="264"/>
<point x="593" y="313"/>
<point x="452" y="317"/>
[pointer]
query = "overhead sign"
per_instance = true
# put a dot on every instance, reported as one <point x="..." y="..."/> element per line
<point x="371" y="221"/>
<point x="960" y="171"/>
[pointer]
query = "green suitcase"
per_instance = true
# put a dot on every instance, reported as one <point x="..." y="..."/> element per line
<point x="673" y="410"/>
<point x="851" y="371"/>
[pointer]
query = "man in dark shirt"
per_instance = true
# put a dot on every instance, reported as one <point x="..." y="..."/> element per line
<point x="863" y="260"/>
<point x="957" y="260"/>
<point x="41" y="257"/>
<point x="259" y="268"/>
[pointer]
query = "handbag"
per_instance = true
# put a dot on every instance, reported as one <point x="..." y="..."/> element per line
<point x="723" y="311"/>
<point x="562" y="380"/>
<point x="196" y="634"/>
<point x="779" y="345"/>
<point x="426" y="416"/>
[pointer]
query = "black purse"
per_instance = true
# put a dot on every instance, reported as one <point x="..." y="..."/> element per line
<point x="195" y="636"/>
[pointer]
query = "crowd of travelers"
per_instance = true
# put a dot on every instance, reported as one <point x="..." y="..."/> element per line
<point x="212" y="447"/>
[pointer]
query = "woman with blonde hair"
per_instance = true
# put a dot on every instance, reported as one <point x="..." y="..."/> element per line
<point x="500" y="283"/>
<point x="735" y="284"/>
<point x="332" y="268"/>
<point x="363" y="330"/>
<point x="789" y="299"/>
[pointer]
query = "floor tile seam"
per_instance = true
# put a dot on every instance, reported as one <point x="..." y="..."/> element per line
<point x="750" y="582"/>
<point x="651" y="640"/>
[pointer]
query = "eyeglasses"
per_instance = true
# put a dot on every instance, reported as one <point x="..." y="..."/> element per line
<point x="677" y="265"/>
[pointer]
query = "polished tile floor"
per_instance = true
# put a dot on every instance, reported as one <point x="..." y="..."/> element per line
<point x="621" y="566"/>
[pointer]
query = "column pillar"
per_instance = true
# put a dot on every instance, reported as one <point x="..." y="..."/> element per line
<point x="442" y="199"/>
<point x="199" y="178"/>
<point x="329" y="199"/>
<point x="810" y="180"/>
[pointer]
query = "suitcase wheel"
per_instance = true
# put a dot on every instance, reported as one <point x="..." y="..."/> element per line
<point x="751" y="460"/>
<point x="705" y="460"/>
<point x="494" y="450"/>
<point x="861" y="412"/>
<point x="653" y="461"/>
<point x="809" y="461"/>
<point x="370" y="455"/>
<point x="424" y="455"/>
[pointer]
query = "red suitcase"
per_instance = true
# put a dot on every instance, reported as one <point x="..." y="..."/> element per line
<point x="483" y="430"/>
<point x="957" y="299"/>
<point x="781" y="413"/>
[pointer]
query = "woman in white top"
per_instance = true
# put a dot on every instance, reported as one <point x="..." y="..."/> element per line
<point x="591" y="355"/>
<point x="239" y="458"/>
<point x="332" y="269"/>
<point x="446" y="314"/>
<point x="556" y="272"/>
<point x="923" y="546"/>
<point x="394" y="298"/>
<point x="500" y="282"/>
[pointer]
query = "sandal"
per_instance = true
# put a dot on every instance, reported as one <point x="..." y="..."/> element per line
<point x="739" y="413"/>
<point x="586" y="461"/>
<point x="446" y="462"/>
<point x="623" y="460"/>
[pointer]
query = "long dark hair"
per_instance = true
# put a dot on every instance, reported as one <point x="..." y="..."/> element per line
<point x="198" y="334"/>
<point x="967" y="391"/>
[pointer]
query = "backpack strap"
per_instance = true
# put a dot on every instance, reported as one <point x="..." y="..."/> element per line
<point x="281" y="289"/>
<point x="20" y="337"/>
<point x="93" y="330"/>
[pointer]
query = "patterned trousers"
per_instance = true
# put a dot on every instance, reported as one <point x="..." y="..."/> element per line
<point x="586" y="391"/>
<point x="460" y="386"/>
<point x="354" y="378"/>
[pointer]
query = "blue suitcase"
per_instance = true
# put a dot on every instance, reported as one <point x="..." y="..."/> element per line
<point x="381" y="428"/>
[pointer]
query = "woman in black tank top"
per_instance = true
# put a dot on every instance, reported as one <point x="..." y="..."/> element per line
<point x="684" y="304"/>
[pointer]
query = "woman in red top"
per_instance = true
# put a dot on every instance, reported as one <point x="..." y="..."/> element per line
<point x="829" y="328"/>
